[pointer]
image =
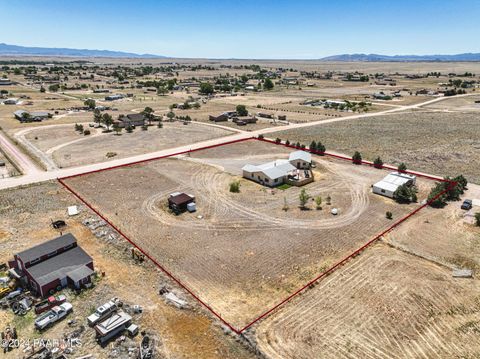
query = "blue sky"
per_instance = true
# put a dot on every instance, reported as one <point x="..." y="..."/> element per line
<point x="246" y="29"/>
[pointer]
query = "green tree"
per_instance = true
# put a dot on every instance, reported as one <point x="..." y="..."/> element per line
<point x="321" y="148"/>
<point x="303" y="197"/>
<point x="107" y="120"/>
<point x="97" y="117"/>
<point x="171" y="115"/>
<point x="405" y="194"/>
<point x="117" y="129"/>
<point x="161" y="91"/>
<point x="90" y="103"/>
<point x="318" y="202"/>
<point x="148" y="114"/>
<point x="402" y="167"/>
<point x="389" y="215"/>
<point x="357" y="158"/>
<point x="313" y="146"/>
<point x="378" y="163"/>
<point x="267" y="84"/>
<point x="241" y="110"/>
<point x="206" y="88"/>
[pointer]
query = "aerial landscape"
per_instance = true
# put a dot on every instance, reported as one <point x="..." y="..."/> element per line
<point x="239" y="180"/>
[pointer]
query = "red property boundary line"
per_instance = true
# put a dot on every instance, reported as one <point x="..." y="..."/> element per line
<point x="297" y="292"/>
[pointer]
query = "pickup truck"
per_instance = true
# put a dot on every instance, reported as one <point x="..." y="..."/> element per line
<point x="103" y="312"/>
<point x="467" y="204"/>
<point x="49" y="303"/>
<point x="52" y="316"/>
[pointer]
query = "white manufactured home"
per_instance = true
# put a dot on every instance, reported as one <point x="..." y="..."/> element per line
<point x="277" y="172"/>
<point x="391" y="182"/>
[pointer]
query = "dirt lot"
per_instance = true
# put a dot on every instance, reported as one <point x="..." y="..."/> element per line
<point x="69" y="148"/>
<point x="245" y="253"/>
<point x="384" y="303"/>
<point x="435" y="142"/>
<point x="179" y="333"/>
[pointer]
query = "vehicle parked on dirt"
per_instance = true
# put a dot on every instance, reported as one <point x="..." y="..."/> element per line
<point x="103" y="312"/>
<point x="467" y="205"/>
<point x="49" y="318"/>
<point x="49" y="303"/>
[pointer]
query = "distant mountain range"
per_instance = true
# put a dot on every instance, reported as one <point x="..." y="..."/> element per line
<point x="400" y="58"/>
<point x="14" y="50"/>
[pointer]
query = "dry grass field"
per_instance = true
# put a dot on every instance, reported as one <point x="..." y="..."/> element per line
<point x="67" y="148"/>
<point x="441" y="143"/>
<point x="244" y="253"/>
<point x="179" y="333"/>
<point x="383" y="304"/>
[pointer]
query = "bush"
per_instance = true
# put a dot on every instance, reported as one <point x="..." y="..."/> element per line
<point x="287" y="142"/>
<point x="144" y="127"/>
<point x="242" y="110"/>
<point x="261" y="136"/>
<point x="477" y="219"/>
<point x="235" y="186"/>
<point x="405" y="194"/>
<point x="86" y="132"/>
<point x="378" y="163"/>
<point x="278" y="140"/>
<point x="389" y="215"/>
<point x="357" y="158"/>
<point x="402" y="167"/>
<point x="321" y="148"/>
<point x="159" y="124"/>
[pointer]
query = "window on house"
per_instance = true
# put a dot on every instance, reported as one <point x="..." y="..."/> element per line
<point x="383" y="191"/>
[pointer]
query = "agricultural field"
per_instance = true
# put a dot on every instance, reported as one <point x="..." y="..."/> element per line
<point x="242" y="252"/>
<point x="441" y="143"/>
<point x="384" y="303"/>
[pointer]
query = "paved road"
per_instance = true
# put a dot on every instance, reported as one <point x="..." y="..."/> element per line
<point x="33" y="175"/>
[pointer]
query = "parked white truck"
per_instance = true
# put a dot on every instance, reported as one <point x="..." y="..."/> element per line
<point x="103" y="312"/>
<point x="53" y="315"/>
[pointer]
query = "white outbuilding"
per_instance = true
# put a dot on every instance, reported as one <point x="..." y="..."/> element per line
<point x="391" y="182"/>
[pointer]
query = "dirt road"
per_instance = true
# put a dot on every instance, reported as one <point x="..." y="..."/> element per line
<point x="33" y="175"/>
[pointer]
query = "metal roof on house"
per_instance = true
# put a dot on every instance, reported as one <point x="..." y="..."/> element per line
<point x="300" y="155"/>
<point x="80" y="273"/>
<point x="394" y="180"/>
<point x="59" y="266"/>
<point x="46" y="247"/>
<point x="273" y="170"/>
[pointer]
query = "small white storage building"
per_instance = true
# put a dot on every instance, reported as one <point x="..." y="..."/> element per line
<point x="391" y="182"/>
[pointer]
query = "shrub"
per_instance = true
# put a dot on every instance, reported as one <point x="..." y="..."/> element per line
<point x="402" y="167"/>
<point x="477" y="219"/>
<point x="241" y="110"/>
<point x="303" y="197"/>
<point x="261" y="136"/>
<point x="287" y="142"/>
<point x="159" y="124"/>
<point x="144" y="127"/>
<point x="321" y="148"/>
<point x="278" y="140"/>
<point x="235" y="186"/>
<point x="405" y="194"/>
<point x="389" y="215"/>
<point x="378" y="163"/>
<point x="318" y="202"/>
<point x="86" y="132"/>
<point x="357" y="158"/>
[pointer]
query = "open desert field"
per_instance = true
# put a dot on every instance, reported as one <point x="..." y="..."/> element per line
<point x="440" y="143"/>
<point x="178" y="332"/>
<point x="66" y="147"/>
<point x="242" y="252"/>
<point x="384" y="304"/>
